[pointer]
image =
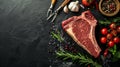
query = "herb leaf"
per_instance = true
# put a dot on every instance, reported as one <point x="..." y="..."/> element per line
<point x="113" y="49"/>
<point x="115" y="53"/>
<point x="57" y="36"/>
<point x="108" y="21"/>
<point x="117" y="19"/>
<point x="116" y="57"/>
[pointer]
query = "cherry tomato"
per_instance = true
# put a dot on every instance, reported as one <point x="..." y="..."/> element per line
<point x="103" y="40"/>
<point x="116" y="39"/>
<point x="114" y="32"/>
<point x="87" y="2"/>
<point x="105" y="53"/>
<point x="118" y="29"/>
<point x="111" y="43"/>
<point x="109" y="36"/>
<point x="112" y="26"/>
<point x="104" y="31"/>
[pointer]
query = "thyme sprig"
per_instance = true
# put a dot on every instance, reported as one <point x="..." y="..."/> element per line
<point x="80" y="58"/>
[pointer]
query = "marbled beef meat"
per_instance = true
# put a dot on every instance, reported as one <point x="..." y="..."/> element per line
<point x="82" y="30"/>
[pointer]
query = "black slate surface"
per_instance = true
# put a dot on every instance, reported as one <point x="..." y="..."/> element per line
<point x="24" y="33"/>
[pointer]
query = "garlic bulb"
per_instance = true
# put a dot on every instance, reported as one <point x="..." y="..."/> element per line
<point x="74" y="6"/>
<point x="65" y="9"/>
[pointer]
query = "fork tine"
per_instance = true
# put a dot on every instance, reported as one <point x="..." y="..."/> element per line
<point x="49" y="10"/>
<point x="48" y="13"/>
<point x="50" y="16"/>
<point x="54" y="17"/>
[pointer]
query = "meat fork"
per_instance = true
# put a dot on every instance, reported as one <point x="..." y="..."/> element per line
<point x="55" y="13"/>
<point x="51" y="7"/>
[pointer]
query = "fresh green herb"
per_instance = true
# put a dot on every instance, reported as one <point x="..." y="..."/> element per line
<point x="116" y="56"/>
<point x="57" y="36"/>
<point x="117" y="19"/>
<point x="115" y="53"/>
<point x="108" y="21"/>
<point x="113" y="49"/>
<point x="80" y="58"/>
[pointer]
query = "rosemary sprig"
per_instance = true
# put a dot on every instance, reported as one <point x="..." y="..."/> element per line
<point x="57" y="36"/>
<point x="80" y="58"/>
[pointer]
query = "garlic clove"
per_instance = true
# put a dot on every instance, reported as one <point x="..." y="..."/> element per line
<point x="75" y="9"/>
<point x="74" y="6"/>
<point x="65" y="9"/>
<point x="71" y="5"/>
<point x="77" y="2"/>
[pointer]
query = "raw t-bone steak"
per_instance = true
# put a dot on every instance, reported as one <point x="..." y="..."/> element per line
<point x="82" y="30"/>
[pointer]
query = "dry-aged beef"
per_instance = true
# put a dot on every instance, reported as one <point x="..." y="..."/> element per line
<point x="82" y="30"/>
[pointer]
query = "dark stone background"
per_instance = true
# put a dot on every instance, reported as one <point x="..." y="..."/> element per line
<point x="24" y="33"/>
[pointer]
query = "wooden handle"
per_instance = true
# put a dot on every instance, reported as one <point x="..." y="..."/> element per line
<point x="53" y="2"/>
<point x="64" y="3"/>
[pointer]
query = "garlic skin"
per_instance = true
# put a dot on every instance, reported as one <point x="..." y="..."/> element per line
<point x="74" y="6"/>
<point x="65" y="9"/>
